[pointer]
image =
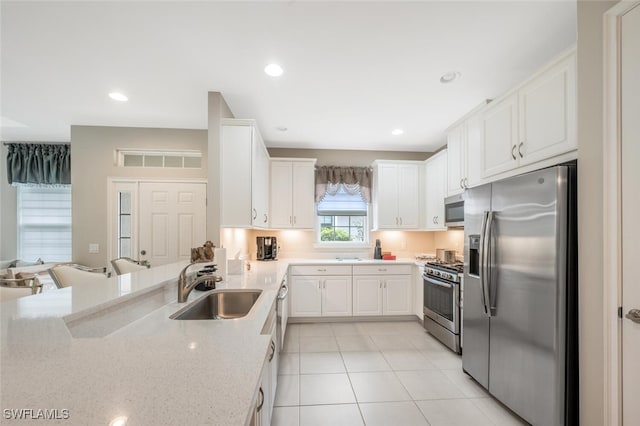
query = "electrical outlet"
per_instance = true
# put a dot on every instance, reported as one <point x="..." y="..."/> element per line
<point x="94" y="248"/>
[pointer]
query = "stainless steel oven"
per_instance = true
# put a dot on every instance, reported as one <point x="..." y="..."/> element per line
<point x="441" y="295"/>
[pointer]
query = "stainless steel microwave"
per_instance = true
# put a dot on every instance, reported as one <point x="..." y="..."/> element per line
<point x="454" y="211"/>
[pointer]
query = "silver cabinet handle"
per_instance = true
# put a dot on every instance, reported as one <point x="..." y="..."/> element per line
<point x="466" y="182"/>
<point x="461" y="185"/>
<point x="400" y="221"/>
<point x="513" y="152"/>
<point x="634" y="315"/>
<point x="273" y="350"/>
<point x="322" y="270"/>
<point x="382" y="270"/>
<point x="520" y="149"/>
<point x="396" y="221"/>
<point x="255" y="214"/>
<point x="380" y="282"/>
<point x="261" y="400"/>
<point x="290" y="221"/>
<point x="283" y="292"/>
<point x="294" y="220"/>
<point x="266" y="218"/>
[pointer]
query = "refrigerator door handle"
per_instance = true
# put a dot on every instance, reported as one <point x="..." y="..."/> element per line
<point x="488" y="257"/>
<point x="482" y="264"/>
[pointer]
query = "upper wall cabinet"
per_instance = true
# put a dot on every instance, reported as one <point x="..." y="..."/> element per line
<point x="396" y="194"/>
<point x="292" y="193"/>
<point x="244" y="176"/>
<point x="534" y="123"/>
<point x="436" y="188"/>
<point x="463" y="146"/>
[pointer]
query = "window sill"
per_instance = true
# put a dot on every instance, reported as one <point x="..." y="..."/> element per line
<point x="333" y="245"/>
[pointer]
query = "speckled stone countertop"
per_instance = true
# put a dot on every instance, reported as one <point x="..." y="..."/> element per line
<point x="146" y="369"/>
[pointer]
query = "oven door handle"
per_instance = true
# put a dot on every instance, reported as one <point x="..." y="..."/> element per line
<point x="440" y="283"/>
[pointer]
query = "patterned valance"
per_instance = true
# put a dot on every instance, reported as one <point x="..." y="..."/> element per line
<point x="39" y="164"/>
<point x="328" y="177"/>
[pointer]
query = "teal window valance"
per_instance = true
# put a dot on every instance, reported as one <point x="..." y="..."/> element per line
<point x="39" y="164"/>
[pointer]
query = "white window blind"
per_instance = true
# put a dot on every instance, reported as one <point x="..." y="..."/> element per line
<point x="44" y="223"/>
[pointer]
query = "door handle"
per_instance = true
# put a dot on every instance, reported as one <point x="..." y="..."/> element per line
<point x="266" y="218"/>
<point x="466" y="182"/>
<point x="143" y="252"/>
<point x="482" y="264"/>
<point x="520" y="149"/>
<point x="437" y="219"/>
<point x="634" y="315"/>
<point x="400" y="221"/>
<point x="461" y="183"/>
<point x="489" y="260"/>
<point x="513" y="152"/>
<point x="255" y="214"/>
<point x="273" y="350"/>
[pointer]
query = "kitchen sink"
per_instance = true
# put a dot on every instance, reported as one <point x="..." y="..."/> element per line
<point x="219" y="305"/>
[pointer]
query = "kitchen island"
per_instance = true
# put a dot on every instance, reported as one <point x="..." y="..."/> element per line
<point x="70" y="352"/>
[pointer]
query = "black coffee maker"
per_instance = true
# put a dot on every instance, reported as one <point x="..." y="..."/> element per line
<point x="267" y="248"/>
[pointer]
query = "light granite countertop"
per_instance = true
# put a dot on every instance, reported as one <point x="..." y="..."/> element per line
<point x="113" y="353"/>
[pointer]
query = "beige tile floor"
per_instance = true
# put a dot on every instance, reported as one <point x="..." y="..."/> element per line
<point x="377" y="374"/>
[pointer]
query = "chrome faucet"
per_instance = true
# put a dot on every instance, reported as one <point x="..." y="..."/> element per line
<point x="185" y="286"/>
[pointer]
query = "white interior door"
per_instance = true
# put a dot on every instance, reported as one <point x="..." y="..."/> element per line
<point x="172" y="220"/>
<point x="630" y="136"/>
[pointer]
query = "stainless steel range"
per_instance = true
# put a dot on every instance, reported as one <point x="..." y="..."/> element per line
<point x="442" y="315"/>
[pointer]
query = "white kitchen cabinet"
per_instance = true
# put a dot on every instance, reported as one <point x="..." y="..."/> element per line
<point x="500" y="136"/>
<point x="464" y="146"/>
<point x="326" y="293"/>
<point x="292" y="193"/>
<point x="532" y="124"/>
<point x="382" y="290"/>
<point x="244" y="176"/>
<point x="436" y="178"/>
<point x="419" y="293"/>
<point x="269" y="378"/>
<point x="547" y="113"/>
<point x="396" y="198"/>
<point x="367" y="295"/>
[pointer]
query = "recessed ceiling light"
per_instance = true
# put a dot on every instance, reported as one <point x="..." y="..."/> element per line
<point x="449" y="77"/>
<point x="397" y="132"/>
<point x="282" y="128"/>
<point x="117" y="96"/>
<point x="273" y="70"/>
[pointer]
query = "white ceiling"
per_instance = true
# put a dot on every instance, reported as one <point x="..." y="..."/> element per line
<point x="354" y="71"/>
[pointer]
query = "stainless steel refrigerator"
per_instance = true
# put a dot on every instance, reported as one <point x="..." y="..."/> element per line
<point x="520" y="293"/>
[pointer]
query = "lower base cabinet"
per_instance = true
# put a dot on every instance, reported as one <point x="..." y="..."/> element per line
<point x="269" y="379"/>
<point x="382" y="290"/>
<point x="320" y="291"/>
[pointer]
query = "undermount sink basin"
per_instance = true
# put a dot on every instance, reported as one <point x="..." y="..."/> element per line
<point x="219" y="304"/>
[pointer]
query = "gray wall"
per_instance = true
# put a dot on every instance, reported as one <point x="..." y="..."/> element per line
<point x="93" y="161"/>
<point x="8" y="209"/>
<point x="590" y="199"/>
<point x="332" y="157"/>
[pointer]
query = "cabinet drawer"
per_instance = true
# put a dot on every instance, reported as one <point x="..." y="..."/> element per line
<point x="382" y="269"/>
<point x="320" y="270"/>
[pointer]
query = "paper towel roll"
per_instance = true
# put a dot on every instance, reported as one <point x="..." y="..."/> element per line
<point x="220" y="257"/>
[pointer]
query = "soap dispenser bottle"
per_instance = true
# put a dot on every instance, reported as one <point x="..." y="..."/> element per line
<point x="377" y="252"/>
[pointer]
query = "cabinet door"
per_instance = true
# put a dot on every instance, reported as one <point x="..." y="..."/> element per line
<point x="436" y="177"/>
<point x="500" y="137"/>
<point x="304" y="212"/>
<point x="547" y="110"/>
<point x="419" y="293"/>
<point x="337" y="296"/>
<point x="260" y="182"/>
<point x="367" y="295"/>
<point x="408" y="196"/>
<point x="455" y="140"/>
<point x="473" y="152"/>
<point x="235" y="182"/>
<point x="304" y="293"/>
<point x="387" y="196"/>
<point x="397" y="292"/>
<point x="281" y="195"/>
<point x="274" y="364"/>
